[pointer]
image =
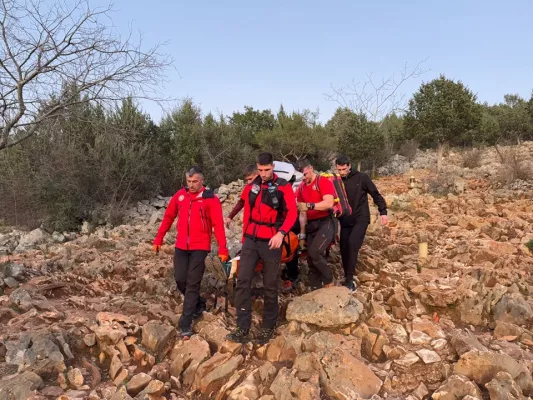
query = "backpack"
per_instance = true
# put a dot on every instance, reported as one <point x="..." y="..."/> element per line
<point x="341" y="206"/>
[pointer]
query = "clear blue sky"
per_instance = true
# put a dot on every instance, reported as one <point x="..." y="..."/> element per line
<point x="264" y="53"/>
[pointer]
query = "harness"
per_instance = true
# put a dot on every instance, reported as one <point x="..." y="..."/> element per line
<point x="272" y="191"/>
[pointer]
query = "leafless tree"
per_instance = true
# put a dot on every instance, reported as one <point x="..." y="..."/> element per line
<point x="46" y="47"/>
<point x="377" y="99"/>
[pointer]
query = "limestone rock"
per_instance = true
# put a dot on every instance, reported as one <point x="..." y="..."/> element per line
<point x="428" y="356"/>
<point x="514" y="309"/>
<point x="138" y="383"/>
<point x="348" y="377"/>
<point x="115" y="367"/>
<point x="287" y="387"/>
<point x="418" y="338"/>
<point x="32" y="239"/>
<point x="327" y="307"/>
<point x="457" y="387"/>
<point x="464" y="341"/>
<point x="503" y="387"/>
<point x="253" y="384"/>
<point x="19" y="387"/>
<point x="322" y="341"/>
<point x="308" y="366"/>
<point x="504" y="329"/>
<point x="483" y="366"/>
<point x="154" y="389"/>
<point x="38" y="353"/>
<point x="407" y="360"/>
<point x="109" y="336"/>
<point x="186" y="357"/>
<point x="89" y="339"/>
<point x="22" y="299"/>
<point x="284" y="348"/>
<point x="429" y="328"/>
<point x="157" y="337"/>
<point x="210" y="375"/>
<point x="11" y="270"/>
<point x="75" y="378"/>
<point x="214" y="331"/>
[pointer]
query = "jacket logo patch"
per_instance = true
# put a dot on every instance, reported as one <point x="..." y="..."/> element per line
<point x="181" y="198"/>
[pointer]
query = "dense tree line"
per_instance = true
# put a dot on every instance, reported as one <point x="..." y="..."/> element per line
<point x="93" y="157"/>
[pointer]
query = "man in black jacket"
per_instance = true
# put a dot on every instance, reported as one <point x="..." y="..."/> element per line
<point x="358" y="186"/>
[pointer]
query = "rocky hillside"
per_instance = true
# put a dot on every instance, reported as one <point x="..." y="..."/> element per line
<point x="92" y="316"/>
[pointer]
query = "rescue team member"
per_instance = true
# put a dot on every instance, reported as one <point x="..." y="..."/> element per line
<point x="199" y="213"/>
<point x="358" y="186"/>
<point x="250" y="173"/>
<point x="290" y="274"/>
<point x="316" y="197"/>
<point x="272" y="211"/>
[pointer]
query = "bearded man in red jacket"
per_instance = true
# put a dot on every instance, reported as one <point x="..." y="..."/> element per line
<point x="199" y="213"/>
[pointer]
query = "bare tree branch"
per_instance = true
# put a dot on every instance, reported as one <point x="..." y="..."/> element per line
<point x="54" y="56"/>
<point x="376" y="99"/>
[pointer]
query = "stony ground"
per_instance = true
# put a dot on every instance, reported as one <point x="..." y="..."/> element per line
<point x="92" y="316"/>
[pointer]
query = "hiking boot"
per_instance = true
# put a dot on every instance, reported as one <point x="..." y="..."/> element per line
<point x="350" y="285"/>
<point x="264" y="336"/>
<point x="185" y="333"/>
<point x="238" y="335"/>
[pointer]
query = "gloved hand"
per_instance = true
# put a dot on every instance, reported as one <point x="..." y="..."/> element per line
<point x="157" y="247"/>
<point x="302" y="207"/>
<point x="223" y="258"/>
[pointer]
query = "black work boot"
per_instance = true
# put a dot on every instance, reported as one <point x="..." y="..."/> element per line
<point x="264" y="336"/>
<point x="239" y="335"/>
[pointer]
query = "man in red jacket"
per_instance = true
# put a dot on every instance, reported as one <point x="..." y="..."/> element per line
<point x="271" y="213"/>
<point x="199" y="213"/>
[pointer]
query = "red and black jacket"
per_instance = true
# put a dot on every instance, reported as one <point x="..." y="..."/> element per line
<point x="199" y="214"/>
<point x="271" y="208"/>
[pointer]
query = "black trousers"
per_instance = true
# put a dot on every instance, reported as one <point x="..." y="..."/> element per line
<point x="291" y="270"/>
<point x="320" y="233"/>
<point x="251" y="252"/>
<point x="352" y="238"/>
<point x="189" y="267"/>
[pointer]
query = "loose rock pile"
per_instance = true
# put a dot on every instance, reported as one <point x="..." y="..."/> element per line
<point x="94" y="317"/>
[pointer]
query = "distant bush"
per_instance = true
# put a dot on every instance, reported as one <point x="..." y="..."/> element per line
<point x="472" y="158"/>
<point x="408" y="149"/>
<point x="513" y="167"/>
<point x="440" y="184"/>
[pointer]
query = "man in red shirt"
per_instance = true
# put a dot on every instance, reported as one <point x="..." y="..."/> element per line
<point x="199" y="213"/>
<point x="271" y="214"/>
<point x="316" y="198"/>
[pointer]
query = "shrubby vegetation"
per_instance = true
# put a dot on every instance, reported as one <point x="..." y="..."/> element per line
<point x="73" y="139"/>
